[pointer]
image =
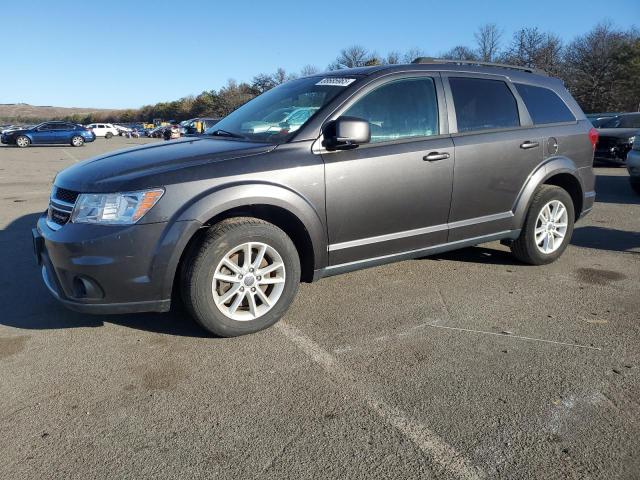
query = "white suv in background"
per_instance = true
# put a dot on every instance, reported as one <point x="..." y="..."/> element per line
<point x="106" y="130"/>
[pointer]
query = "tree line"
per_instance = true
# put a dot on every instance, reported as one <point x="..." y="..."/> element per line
<point x="600" y="68"/>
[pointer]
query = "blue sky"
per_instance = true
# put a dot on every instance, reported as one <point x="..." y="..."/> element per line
<point x="119" y="54"/>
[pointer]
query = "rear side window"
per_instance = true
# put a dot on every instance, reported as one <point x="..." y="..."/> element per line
<point x="483" y="104"/>
<point x="630" y="121"/>
<point x="544" y="105"/>
<point x="399" y="109"/>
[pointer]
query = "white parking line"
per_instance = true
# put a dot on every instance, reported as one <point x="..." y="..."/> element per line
<point x="71" y="156"/>
<point x="437" y="450"/>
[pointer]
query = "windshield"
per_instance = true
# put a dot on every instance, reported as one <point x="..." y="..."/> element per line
<point x="613" y="122"/>
<point x="275" y="115"/>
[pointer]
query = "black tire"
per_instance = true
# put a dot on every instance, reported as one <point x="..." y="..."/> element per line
<point x="203" y="258"/>
<point x="524" y="248"/>
<point x="108" y="135"/>
<point x="22" y="141"/>
<point x="77" y="141"/>
<point x="636" y="187"/>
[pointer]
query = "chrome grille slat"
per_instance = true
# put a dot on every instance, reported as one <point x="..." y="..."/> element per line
<point x="61" y="205"/>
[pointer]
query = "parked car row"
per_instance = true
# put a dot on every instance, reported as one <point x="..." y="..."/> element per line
<point x="617" y="132"/>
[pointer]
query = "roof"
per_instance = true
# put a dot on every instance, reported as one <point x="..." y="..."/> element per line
<point x="445" y="65"/>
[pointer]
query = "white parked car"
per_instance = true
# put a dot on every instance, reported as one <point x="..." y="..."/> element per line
<point x="106" y="130"/>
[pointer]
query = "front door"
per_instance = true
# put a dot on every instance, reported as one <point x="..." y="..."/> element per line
<point x="393" y="194"/>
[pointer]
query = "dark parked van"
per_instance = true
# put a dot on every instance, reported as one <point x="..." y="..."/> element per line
<point x="377" y="164"/>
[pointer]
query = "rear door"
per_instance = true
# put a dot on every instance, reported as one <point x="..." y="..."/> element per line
<point x="386" y="197"/>
<point x="495" y="151"/>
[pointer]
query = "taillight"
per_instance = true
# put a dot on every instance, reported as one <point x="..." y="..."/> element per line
<point x="593" y="137"/>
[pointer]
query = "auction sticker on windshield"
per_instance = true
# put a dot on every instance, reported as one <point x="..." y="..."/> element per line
<point x="336" y="81"/>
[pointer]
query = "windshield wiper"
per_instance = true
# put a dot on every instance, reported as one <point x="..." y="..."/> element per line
<point x="225" y="133"/>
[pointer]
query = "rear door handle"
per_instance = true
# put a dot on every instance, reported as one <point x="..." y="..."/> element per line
<point x="435" y="156"/>
<point x="527" y="145"/>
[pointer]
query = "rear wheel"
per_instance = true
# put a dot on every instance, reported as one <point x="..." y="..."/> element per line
<point x="548" y="227"/>
<point x="77" y="141"/>
<point x="108" y="135"/>
<point x="241" y="278"/>
<point x="23" y="141"/>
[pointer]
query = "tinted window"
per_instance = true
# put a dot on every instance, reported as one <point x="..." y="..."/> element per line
<point x="400" y="109"/>
<point x="483" y="104"/>
<point x="544" y="105"/>
<point x="630" y="121"/>
<point x="45" y="127"/>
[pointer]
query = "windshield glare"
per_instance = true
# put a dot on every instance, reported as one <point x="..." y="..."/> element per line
<point x="277" y="114"/>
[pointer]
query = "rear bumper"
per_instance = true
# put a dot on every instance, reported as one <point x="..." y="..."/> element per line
<point x="100" y="269"/>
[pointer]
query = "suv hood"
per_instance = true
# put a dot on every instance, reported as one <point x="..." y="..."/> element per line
<point x="618" y="132"/>
<point x="134" y="168"/>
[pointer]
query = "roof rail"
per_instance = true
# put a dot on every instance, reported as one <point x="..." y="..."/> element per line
<point x="436" y="61"/>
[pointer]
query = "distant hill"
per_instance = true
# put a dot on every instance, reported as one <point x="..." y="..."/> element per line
<point x="22" y="112"/>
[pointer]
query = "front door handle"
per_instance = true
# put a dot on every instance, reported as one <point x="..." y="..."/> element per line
<point x="435" y="156"/>
<point x="528" y="144"/>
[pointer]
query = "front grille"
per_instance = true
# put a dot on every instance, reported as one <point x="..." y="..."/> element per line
<point x="58" y="216"/>
<point x="60" y="207"/>
<point x="65" y="195"/>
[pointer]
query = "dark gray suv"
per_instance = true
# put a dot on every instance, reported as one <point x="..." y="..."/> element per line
<point x="319" y="176"/>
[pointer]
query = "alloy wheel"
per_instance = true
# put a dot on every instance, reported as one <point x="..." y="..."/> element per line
<point x="248" y="281"/>
<point x="551" y="226"/>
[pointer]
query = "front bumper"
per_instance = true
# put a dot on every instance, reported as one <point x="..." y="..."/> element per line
<point x="105" y="269"/>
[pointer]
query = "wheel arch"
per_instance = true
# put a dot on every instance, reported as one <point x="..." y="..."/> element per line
<point x="278" y="205"/>
<point x="558" y="171"/>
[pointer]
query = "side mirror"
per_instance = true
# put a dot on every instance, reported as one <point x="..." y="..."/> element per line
<point x="346" y="133"/>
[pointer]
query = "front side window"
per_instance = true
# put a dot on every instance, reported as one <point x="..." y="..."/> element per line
<point x="277" y="114"/>
<point x="399" y="109"/>
<point x="483" y="104"/>
<point x="544" y="105"/>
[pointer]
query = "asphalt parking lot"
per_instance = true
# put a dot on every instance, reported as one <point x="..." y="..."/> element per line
<point x="465" y="365"/>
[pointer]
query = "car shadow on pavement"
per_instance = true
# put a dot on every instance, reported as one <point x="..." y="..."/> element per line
<point x="602" y="238"/>
<point x="478" y="254"/>
<point x="26" y="303"/>
<point x="615" y="189"/>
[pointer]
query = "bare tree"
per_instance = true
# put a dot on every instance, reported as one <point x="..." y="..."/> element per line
<point x="460" y="52"/>
<point x="392" y="58"/>
<point x="532" y="48"/>
<point x="488" y="39"/>
<point x="354" y="56"/>
<point x="308" y="70"/>
<point x="602" y="69"/>
<point x="413" y="53"/>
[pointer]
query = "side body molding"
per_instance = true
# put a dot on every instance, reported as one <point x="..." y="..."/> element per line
<point x="552" y="166"/>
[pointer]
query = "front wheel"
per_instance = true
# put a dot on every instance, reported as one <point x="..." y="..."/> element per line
<point x="77" y="141"/>
<point x="241" y="278"/>
<point x="108" y="135"/>
<point x="23" y="141"/>
<point x="548" y="227"/>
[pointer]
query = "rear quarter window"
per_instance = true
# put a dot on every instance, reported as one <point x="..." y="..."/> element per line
<point x="544" y="105"/>
<point x="483" y="104"/>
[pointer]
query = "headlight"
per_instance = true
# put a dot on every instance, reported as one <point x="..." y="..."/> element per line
<point x="114" y="208"/>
